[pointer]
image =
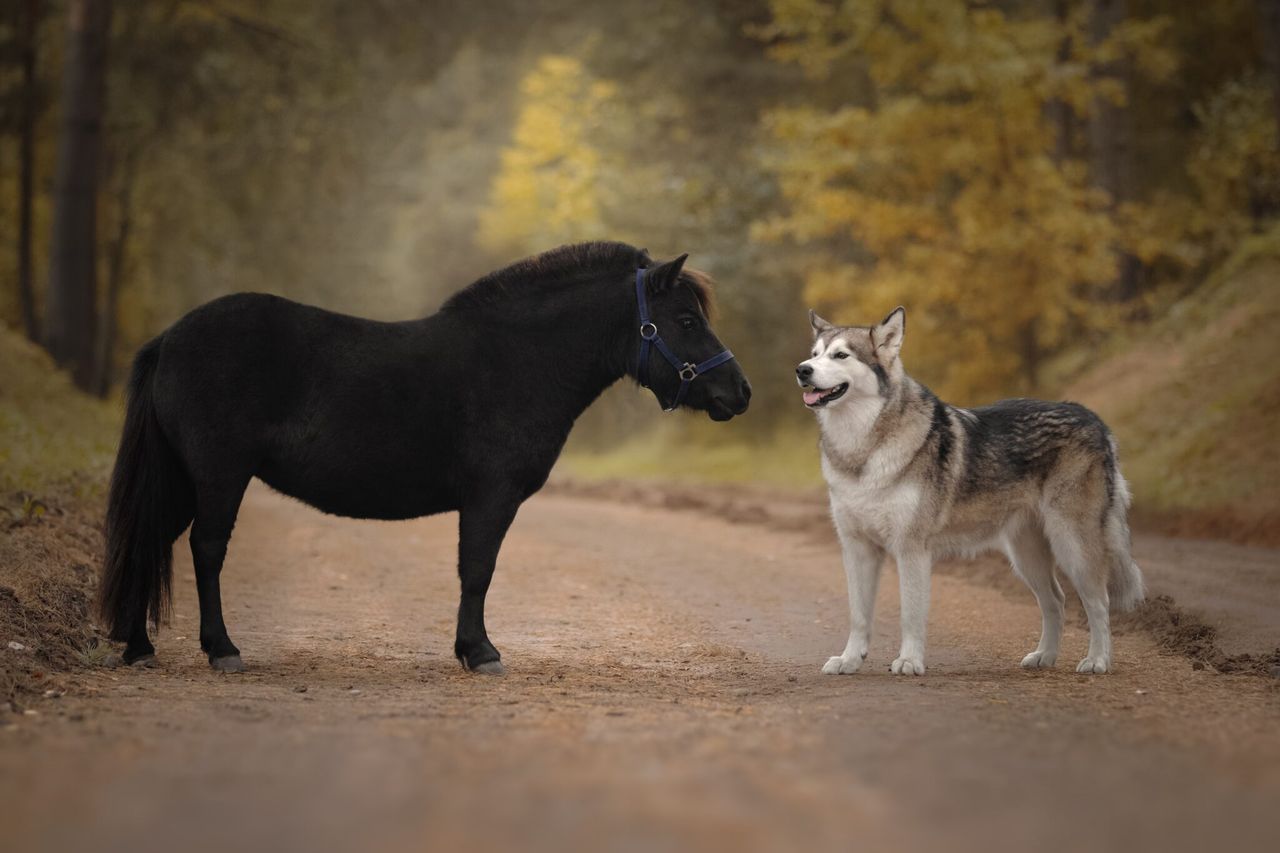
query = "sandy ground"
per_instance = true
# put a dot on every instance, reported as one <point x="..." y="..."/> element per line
<point x="663" y="693"/>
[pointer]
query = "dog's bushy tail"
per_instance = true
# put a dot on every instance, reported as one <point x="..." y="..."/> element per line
<point x="1125" y="586"/>
<point x="151" y="502"/>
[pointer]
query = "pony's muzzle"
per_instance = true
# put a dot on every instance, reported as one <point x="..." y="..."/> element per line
<point x="725" y="406"/>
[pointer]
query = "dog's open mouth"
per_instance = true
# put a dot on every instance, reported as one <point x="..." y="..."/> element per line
<point x="816" y="398"/>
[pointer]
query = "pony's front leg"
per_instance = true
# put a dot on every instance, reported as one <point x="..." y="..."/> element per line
<point x="481" y="527"/>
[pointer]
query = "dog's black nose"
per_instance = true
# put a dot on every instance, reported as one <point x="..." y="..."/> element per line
<point x="804" y="371"/>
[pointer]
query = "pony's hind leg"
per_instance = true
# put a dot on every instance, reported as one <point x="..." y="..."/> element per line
<point x="1032" y="560"/>
<point x="216" y="509"/>
<point x="138" y="649"/>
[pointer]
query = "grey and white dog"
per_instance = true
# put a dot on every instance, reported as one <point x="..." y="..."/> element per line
<point x="914" y="477"/>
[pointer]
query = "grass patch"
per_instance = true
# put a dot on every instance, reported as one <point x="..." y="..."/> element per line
<point x="53" y="438"/>
<point x="1194" y="401"/>
<point x="788" y="459"/>
<point x="56" y="450"/>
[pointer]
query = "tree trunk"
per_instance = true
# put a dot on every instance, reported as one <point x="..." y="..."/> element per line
<point x="1060" y="114"/>
<point x="72" y="297"/>
<point x="118" y="256"/>
<point x="1269" y="14"/>
<point x="27" y="168"/>
<point x="1110" y="142"/>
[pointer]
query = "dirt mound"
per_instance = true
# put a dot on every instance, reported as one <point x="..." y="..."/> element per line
<point x="1193" y="400"/>
<point x="45" y="595"/>
<point x="1175" y="630"/>
<point x="1246" y="525"/>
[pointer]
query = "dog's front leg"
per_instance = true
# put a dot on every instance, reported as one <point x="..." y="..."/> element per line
<point x="914" y="569"/>
<point x="862" y="562"/>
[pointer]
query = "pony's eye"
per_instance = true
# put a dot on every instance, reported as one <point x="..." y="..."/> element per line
<point x="688" y="324"/>
<point x="841" y="355"/>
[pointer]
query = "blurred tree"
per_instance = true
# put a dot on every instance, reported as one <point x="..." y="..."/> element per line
<point x="1269" y="15"/>
<point x="28" y="13"/>
<point x="670" y="136"/>
<point x="951" y="188"/>
<point x="69" y="314"/>
<point x="1235" y="161"/>
<point x="548" y="190"/>
<point x="1110" y="128"/>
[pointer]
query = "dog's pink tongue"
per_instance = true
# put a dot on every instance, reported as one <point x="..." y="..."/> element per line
<point x="811" y="397"/>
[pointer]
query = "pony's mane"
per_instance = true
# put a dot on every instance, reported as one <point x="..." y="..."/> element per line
<point x="566" y="264"/>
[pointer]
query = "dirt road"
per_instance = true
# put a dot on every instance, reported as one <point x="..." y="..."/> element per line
<point x="663" y="692"/>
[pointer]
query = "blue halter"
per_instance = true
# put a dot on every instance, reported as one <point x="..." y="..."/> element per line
<point x="649" y="335"/>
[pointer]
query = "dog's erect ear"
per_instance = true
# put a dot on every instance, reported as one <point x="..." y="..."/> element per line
<point x="888" y="335"/>
<point x="664" y="276"/>
<point x="819" y="325"/>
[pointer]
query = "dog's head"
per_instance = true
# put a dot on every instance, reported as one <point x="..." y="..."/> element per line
<point x="851" y="362"/>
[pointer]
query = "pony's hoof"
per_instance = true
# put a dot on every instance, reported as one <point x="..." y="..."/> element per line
<point x="145" y="662"/>
<point x="230" y="663"/>
<point x="493" y="667"/>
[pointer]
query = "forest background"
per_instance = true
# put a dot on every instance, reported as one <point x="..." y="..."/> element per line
<point x="1072" y="198"/>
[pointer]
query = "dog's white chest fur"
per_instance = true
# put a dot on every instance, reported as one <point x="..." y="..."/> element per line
<point x="880" y="512"/>
<point x="873" y="498"/>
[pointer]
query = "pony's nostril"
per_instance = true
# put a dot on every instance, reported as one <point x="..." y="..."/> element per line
<point x="746" y="390"/>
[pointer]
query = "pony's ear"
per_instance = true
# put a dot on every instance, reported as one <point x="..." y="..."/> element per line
<point x="819" y="325"/>
<point x="663" y="276"/>
<point x="887" y="337"/>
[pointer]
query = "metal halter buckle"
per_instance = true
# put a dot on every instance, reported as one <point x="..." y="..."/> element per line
<point x="688" y="372"/>
<point x="648" y="331"/>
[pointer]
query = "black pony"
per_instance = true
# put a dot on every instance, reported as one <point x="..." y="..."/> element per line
<point x="464" y="410"/>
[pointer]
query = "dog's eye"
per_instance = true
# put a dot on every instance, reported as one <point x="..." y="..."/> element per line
<point x="688" y="324"/>
<point x="841" y="355"/>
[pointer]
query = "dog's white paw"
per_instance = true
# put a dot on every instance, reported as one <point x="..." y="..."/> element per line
<point x="841" y="665"/>
<point x="1095" y="665"/>
<point x="1039" y="660"/>
<point x="907" y="666"/>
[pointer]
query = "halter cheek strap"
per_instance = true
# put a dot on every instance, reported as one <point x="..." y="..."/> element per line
<point x="649" y="337"/>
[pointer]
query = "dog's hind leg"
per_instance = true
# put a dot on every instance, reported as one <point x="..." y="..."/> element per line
<point x="1032" y="560"/>
<point x="914" y="571"/>
<point x="862" y="562"/>
<point x="217" y="505"/>
<point x="1080" y="554"/>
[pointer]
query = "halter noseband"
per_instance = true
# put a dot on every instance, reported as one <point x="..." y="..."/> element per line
<point x="649" y="335"/>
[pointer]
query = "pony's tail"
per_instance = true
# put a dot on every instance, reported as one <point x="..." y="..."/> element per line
<point x="151" y="502"/>
<point x="1125" y="586"/>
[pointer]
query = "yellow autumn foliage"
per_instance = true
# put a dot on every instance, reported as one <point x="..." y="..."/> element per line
<point x="945" y="192"/>
<point x="546" y="191"/>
